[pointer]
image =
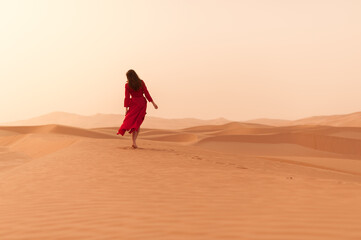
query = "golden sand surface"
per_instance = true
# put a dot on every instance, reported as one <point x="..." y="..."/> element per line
<point x="232" y="181"/>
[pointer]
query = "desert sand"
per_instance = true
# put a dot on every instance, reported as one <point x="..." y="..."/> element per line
<point x="232" y="181"/>
<point x="111" y="120"/>
<point x="340" y="120"/>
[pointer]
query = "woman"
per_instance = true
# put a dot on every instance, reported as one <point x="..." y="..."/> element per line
<point x="135" y="107"/>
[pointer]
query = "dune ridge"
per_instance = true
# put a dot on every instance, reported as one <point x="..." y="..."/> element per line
<point x="110" y="120"/>
<point x="339" y="120"/>
<point x="325" y="143"/>
<point x="56" y="129"/>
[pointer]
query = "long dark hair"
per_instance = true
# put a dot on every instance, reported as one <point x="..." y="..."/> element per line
<point x="133" y="80"/>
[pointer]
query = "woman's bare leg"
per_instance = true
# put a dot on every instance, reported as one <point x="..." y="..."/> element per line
<point x="134" y="137"/>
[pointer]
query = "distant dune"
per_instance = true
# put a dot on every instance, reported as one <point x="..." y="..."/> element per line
<point x="230" y="181"/>
<point x="271" y="122"/>
<point x="342" y="120"/>
<point x="114" y="120"/>
<point x="110" y="120"/>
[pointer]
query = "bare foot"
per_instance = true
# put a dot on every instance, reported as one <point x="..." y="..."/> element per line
<point x="134" y="146"/>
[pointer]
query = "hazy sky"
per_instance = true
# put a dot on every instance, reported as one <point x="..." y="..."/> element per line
<point x="199" y="58"/>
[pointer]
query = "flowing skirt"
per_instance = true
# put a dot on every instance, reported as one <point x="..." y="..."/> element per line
<point x="135" y="116"/>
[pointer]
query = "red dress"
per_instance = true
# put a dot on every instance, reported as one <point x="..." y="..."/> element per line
<point x="137" y="108"/>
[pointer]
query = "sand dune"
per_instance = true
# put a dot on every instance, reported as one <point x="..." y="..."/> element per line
<point x="348" y="134"/>
<point x="324" y="143"/>
<point x="232" y="181"/>
<point x="110" y="120"/>
<point x="341" y="120"/>
<point x="180" y="137"/>
<point x="270" y="122"/>
<point x="56" y="129"/>
<point x="38" y="141"/>
<point x="345" y="120"/>
<point x="228" y="126"/>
